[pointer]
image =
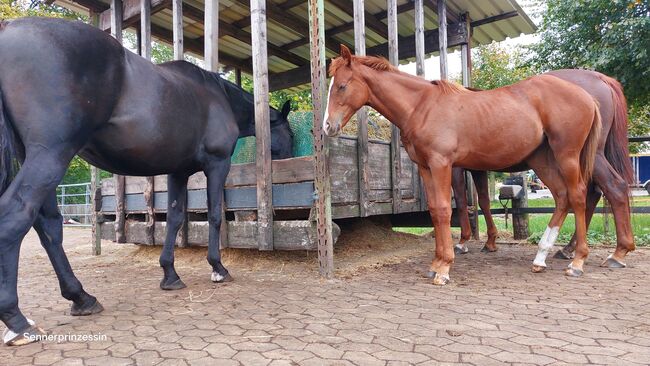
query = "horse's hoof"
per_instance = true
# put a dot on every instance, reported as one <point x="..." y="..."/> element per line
<point x="217" y="278"/>
<point x="93" y="307"/>
<point x="538" y="269"/>
<point x="573" y="272"/>
<point x="440" y="280"/>
<point x="176" y="285"/>
<point x="430" y="274"/>
<point x="611" y="262"/>
<point x="461" y="249"/>
<point x="29" y="335"/>
<point x="561" y="254"/>
<point x="486" y="249"/>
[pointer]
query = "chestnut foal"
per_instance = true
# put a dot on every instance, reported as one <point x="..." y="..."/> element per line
<point x="549" y="124"/>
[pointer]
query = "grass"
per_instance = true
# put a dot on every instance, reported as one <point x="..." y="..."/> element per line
<point x="537" y="224"/>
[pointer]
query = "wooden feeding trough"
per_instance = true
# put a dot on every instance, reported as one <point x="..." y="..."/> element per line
<point x="285" y="44"/>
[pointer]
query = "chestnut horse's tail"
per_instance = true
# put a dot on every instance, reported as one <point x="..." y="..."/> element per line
<point x="616" y="147"/>
<point x="588" y="154"/>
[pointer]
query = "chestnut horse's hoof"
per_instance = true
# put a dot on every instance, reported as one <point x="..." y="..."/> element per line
<point x="538" y="269"/>
<point x="573" y="272"/>
<point x="175" y="285"/>
<point x="561" y="254"/>
<point x="612" y="262"/>
<point x="461" y="249"/>
<point x="91" y="307"/>
<point x="216" y="277"/>
<point x="29" y="335"/>
<point x="487" y="249"/>
<point x="438" y="279"/>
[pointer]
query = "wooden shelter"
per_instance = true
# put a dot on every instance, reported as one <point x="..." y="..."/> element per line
<point x="286" y="44"/>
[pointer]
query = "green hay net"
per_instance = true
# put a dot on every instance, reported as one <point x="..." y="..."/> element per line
<point x="303" y="140"/>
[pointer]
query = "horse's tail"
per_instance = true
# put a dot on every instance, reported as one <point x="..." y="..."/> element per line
<point x="588" y="153"/>
<point x="7" y="149"/>
<point x="616" y="146"/>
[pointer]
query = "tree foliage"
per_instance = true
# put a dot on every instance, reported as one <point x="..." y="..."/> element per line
<point x="495" y="66"/>
<point x="300" y="101"/>
<point x="10" y="9"/>
<point x="610" y="36"/>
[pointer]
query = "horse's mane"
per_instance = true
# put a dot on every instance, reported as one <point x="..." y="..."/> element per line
<point x="373" y="62"/>
<point x="448" y="87"/>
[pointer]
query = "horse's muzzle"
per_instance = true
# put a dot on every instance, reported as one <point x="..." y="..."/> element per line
<point x="332" y="128"/>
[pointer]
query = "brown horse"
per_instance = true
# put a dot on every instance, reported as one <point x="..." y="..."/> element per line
<point x="612" y="170"/>
<point x="547" y="123"/>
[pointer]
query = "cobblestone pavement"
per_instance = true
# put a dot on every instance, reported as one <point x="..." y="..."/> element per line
<point x="494" y="312"/>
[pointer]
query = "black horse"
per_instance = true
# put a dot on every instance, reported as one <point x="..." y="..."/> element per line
<point x="67" y="88"/>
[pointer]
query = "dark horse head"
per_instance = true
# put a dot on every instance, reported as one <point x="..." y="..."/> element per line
<point x="243" y="106"/>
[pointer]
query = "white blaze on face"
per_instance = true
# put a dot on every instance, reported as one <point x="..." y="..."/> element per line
<point x="327" y="107"/>
<point x="545" y="244"/>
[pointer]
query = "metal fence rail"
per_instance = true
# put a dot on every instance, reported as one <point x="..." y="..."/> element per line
<point x="74" y="202"/>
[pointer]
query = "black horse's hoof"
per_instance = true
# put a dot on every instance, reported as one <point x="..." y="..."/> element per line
<point x="175" y="285"/>
<point x="561" y="254"/>
<point x="29" y="335"/>
<point x="573" y="272"/>
<point x="485" y="249"/>
<point x="611" y="262"/>
<point x="217" y="278"/>
<point x="461" y="249"/>
<point x="91" y="307"/>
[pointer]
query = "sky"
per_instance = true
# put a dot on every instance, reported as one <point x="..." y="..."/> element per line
<point x="432" y="64"/>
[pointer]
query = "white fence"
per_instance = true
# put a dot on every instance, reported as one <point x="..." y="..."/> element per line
<point x="74" y="202"/>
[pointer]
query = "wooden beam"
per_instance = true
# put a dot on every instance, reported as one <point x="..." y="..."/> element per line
<point x="395" y="141"/>
<point x="419" y="38"/>
<point x="116" y="19"/>
<point x="95" y="181"/>
<point x="300" y="75"/>
<point x="493" y="19"/>
<point x="362" y="114"/>
<point x="177" y="27"/>
<point x="211" y="37"/>
<point x="262" y="130"/>
<point x="131" y="10"/>
<point x="145" y="28"/>
<point x="442" y="37"/>
<point x="372" y="22"/>
<point x="120" y="215"/>
<point x="323" y="204"/>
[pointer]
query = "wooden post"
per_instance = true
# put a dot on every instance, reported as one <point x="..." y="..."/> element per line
<point x="120" y="215"/>
<point x="419" y="38"/>
<point x="116" y="19"/>
<point x="520" y="221"/>
<point x="95" y="185"/>
<point x="149" y="189"/>
<point x="321" y="148"/>
<point x="395" y="142"/>
<point x="211" y="38"/>
<point x="177" y="28"/>
<point x="466" y="70"/>
<point x="442" y="37"/>
<point x="418" y="186"/>
<point x="177" y="37"/>
<point x="238" y="77"/>
<point x="362" y="114"/>
<point x="262" y="129"/>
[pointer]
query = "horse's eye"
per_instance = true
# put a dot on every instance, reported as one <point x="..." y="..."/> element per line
<point x="342" y="87"/>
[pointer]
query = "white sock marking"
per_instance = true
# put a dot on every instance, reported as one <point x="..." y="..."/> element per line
<point x="8" y="335"/>
<point x="545" y="244"/>
<point x="217" y="277"/>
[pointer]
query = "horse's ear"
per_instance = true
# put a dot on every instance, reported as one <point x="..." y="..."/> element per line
<point x="286" y="108"/>
<point x="346" y="54"/>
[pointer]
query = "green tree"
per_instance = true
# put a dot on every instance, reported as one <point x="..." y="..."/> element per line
<point x="10" y="9"/>
<point x="495" y="66"/>
<point x="610" y="36"/>
<point x="300" y="101"/>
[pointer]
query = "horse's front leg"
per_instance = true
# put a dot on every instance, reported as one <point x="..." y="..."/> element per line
<point x="176" y="205"/>
<point x="437" y="182"/>
<point x="216" y="170"/>
<point x="459" y="185"/>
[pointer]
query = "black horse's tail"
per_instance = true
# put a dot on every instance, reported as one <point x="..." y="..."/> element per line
<point x="7" y="149"/>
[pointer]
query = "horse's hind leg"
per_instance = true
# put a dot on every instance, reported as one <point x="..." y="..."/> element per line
<point x="483" y="192"/>
<point x="176" y="204"/>
<point x="19" y="205"/>
<point x="593" y="196"/>
<point x="49" y="226"/>
<point x="459" y="185"/>
<point x="216" y="170"/>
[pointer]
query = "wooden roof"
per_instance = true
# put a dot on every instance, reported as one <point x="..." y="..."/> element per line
<point x="288" y="47"/>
